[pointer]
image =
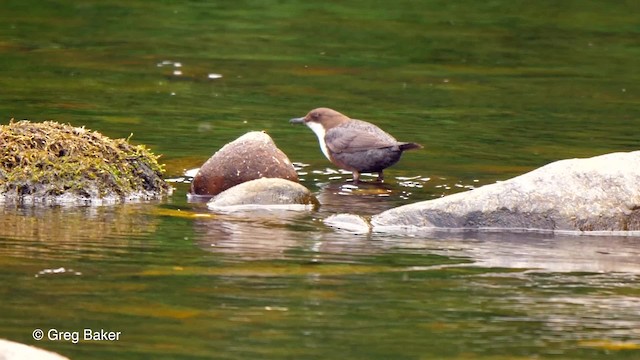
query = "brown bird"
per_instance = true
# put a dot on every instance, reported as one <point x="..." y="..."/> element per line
<point x="354" y="145"/>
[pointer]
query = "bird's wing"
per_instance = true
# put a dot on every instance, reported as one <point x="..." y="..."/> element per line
<point x="341" y="140"/>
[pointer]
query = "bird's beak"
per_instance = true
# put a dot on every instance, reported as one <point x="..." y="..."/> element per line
<point x="299" y="120"/>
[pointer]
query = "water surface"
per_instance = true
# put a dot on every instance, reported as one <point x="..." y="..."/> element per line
<point x="491" y="90"/>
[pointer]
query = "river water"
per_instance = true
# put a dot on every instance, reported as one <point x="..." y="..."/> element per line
<point x="491" y="89"/>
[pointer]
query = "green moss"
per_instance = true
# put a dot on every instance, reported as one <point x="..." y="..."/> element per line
<point x="50" y="159"/>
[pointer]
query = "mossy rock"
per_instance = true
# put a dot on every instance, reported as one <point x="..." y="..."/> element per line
<point x="51" y="162"/>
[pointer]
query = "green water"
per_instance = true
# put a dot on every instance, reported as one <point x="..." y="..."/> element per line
<point x="491" y="89"/>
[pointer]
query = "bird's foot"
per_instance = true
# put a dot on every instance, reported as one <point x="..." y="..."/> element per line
<point x="356" y="177"/>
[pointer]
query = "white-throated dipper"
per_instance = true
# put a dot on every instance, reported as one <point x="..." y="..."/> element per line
<point x="354" y="145"/>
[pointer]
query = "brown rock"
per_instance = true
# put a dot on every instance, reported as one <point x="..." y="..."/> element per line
<point x="254" y="155"/>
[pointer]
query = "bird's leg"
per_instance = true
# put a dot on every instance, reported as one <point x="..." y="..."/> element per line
<point x="380" y="177"/>
<point x="356" y="177"/>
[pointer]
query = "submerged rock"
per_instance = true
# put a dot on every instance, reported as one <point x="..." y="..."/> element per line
<point x="10" y="350"/>
<point x="252" y="156"/>
<point x="269" y="193"/>
<point x="348" y="222"/>
<point x="56" y="163"/>
<point x="584" y="195"/>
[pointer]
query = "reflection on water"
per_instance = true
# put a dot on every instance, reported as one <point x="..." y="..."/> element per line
<point x="275" y="235"/>
<point x="246" y="284"/>
<point x="363" y="198"/>
<point x="334" y="184"/>
<point x="534" y="252"/>
<point x="251" y="235"/>
<point x="339" y="193"/>
<point x="73" y="232"/>
<point x="492" y="89"/>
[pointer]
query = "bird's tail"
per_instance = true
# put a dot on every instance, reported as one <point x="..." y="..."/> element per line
<point x="409" y="146"/>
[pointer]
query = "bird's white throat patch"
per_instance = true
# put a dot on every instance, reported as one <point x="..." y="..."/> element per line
<point x="319" y="130"/>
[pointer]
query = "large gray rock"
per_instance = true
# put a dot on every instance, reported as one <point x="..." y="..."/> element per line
<point x="10" y="350"/>
<point x="252" y="156"/>
<point x="595" y="194"/>
<point x="270" y="193"/>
